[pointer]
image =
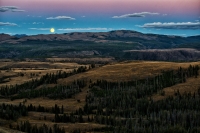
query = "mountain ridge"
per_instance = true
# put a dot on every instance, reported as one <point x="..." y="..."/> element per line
<point x="117" y="44"/>
<point x="103" y="37"/>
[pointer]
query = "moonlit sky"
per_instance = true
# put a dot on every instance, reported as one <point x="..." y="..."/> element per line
<point x="170" y="17"/>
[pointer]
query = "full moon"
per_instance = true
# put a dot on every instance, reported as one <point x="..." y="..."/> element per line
<point x="52" y="30"/>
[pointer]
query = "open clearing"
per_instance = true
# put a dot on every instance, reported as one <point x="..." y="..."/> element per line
<point x="126" y="71"/>
<point x="68" y="126"/>
<point x="20" y="72"/>
<point x="191" y="85"/>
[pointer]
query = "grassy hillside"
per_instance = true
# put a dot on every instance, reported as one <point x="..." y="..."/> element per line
<point x="97" y="104"/>
<point x="129" y="70"/>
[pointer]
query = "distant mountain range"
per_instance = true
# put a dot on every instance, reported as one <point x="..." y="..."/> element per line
<point x="20" y="35"/>
<point x="119" y="36"/>
<point x="120" y="44"/>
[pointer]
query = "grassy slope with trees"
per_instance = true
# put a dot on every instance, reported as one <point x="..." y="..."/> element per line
<point x="121" y="106"/>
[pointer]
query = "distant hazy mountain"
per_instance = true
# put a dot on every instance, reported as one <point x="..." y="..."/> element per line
<point x="6" y="37"/>
<point x="20" y="35"/>
<point x="119" y="36"/>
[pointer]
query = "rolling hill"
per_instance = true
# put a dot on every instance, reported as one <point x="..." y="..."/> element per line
<point x="92" y="44"/>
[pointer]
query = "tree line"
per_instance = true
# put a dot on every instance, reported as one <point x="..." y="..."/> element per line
<point x="28" y="128"/>
<point x="12" y="112"/>
<point x="57" y="92"/>
<point x="49" y="78"/>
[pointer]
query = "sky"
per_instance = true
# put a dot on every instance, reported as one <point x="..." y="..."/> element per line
<point x="168" y="17"/>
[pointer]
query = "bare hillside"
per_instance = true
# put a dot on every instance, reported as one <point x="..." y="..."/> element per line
<point x="181" y="54"/>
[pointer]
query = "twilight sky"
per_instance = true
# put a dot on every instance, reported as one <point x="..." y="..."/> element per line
<point x="170" y="17"/>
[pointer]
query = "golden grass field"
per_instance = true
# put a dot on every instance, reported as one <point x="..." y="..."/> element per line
<point x="125" y="71"/>
<point x="70" y="104"/>
<point x="37" y="68"/>
<point x="122" y="71"/>
<point x="7" y="130"/>
<point x="68" y="126"/>
<point x="80" y="59"/>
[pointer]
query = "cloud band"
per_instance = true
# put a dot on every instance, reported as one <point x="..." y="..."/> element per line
<point x="61" y="17"/>
<point x="7" y="24"/>
<point x="10" y="8"/>
<point x="172" y="25"/>
<point x="141" y="14"/>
